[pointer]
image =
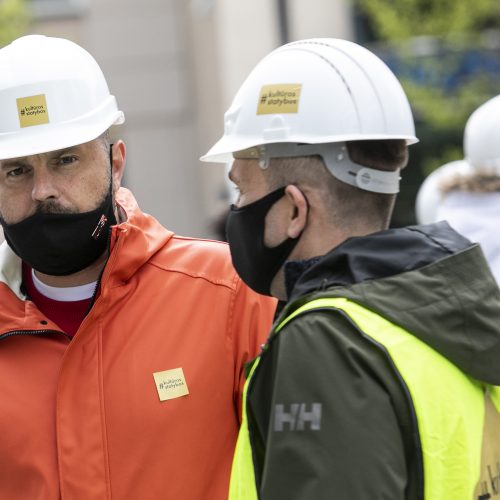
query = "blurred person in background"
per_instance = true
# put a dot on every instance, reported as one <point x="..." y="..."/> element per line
<point x="122" y="345"/>
<point x="466" y="193"/>
<point x="377" y="378"/>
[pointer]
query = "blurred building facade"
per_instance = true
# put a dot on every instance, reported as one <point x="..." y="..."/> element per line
<point x="174" y="66"/>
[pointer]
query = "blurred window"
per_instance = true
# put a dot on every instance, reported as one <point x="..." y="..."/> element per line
<point x="43" y="9"/>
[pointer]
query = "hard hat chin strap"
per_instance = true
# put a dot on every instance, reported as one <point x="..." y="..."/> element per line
<point x="338" y="162"/>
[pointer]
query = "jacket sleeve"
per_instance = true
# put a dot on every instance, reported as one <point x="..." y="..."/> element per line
<point x="333" y="432"/>
<point x="250" y="321"/>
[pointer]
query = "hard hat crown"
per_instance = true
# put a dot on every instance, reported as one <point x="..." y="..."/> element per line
<point x="315" y="91"/>
<point x="52" y="95"/>
<point x="481" y="137"/>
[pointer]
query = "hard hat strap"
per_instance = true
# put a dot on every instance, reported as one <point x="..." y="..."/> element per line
<point x="338" y="162"/>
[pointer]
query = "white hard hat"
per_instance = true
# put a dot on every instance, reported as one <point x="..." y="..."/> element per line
<point x="53" y="95"/>
<point x="317" y="91"/>
<point x="430" y="195"/>
<point x="482" y="152"/>
<point x="482" y="136"/>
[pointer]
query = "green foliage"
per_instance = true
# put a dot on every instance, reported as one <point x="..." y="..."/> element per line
<point x="429" y="37"/>
<point x="442" y="109"/>
<point x="14" y="20"/>
<point x="400" y="19"/>
<point x="437" y="48"/>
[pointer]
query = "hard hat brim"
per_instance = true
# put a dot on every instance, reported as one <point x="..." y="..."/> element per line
<point x="223" y="150"/>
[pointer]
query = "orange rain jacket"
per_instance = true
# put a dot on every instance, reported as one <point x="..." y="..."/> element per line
<point x="82" y="419"/>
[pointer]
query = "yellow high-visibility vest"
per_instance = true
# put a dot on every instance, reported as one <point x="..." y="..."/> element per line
<point x="458" y="417"/>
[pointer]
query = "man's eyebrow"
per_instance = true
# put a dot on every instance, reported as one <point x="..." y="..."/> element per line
<point x="14" y="162"/>
<point x="59" y="152"/>
<point x="23" y="160"/>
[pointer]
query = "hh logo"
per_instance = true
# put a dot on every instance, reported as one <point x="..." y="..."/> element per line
<point x="297" y="417"/>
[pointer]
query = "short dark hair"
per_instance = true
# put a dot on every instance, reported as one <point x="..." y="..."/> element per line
<point x="386" y="155"/>
<point x="347" y="205"/>
<point x="105" y="140"/>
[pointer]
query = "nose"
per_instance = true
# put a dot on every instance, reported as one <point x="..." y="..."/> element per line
<point x="44" y="185"/>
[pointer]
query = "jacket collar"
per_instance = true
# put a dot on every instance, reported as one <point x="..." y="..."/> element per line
<point x="375" y="256"/>
<point x="134" y="241"/>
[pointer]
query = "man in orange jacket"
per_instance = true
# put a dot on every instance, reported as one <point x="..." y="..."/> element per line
<point x="122" y="345"/>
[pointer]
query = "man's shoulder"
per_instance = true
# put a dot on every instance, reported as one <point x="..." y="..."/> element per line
<point x="198" y="258"/>
<point x="198" y="247"/>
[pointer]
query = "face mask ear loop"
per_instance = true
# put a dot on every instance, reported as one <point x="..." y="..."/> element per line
<point x="114" y="205"/>
<point x="111" y="172"/>
<point x="111" y="164"/>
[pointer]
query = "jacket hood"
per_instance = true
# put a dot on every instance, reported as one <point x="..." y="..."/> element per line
<point x="145" y="236"/>
<point x="429" y="280"/>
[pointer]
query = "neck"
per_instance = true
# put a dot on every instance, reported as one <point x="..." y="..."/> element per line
<point x="314" y="243"/>
<point x="278" y="289"/>
<point x="83" y="277"/>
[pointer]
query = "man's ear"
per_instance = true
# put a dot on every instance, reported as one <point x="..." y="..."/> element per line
<point x="119" y="154"/>
<point x="298" y="218"/>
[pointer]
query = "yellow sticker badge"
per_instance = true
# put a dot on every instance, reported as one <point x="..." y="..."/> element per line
<point x="32" y="110"/>
<point x="279" y="98"/>
<point x="171" y="384"/>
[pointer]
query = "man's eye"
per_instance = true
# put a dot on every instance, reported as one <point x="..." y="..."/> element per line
<point x="15" y="172"/>
<point x="67" y="160"/>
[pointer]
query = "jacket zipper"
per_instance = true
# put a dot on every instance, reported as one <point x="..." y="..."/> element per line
<point x="98" y="282"/>
<point x="33" y="332"/>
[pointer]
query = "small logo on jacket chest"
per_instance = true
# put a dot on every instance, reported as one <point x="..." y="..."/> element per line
<point x="171" y="384"/>
<point x="297" y="417"/>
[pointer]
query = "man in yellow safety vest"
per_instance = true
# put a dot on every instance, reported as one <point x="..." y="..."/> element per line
<point x="379" y="379"/>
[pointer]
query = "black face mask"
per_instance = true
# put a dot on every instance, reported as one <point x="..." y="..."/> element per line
<point x="62" y="244"/>
<point x="256" y="264"/>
